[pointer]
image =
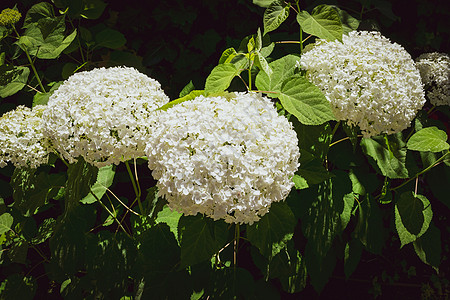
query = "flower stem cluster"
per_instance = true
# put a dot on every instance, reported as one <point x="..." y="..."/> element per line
<point x="9" y="16"/>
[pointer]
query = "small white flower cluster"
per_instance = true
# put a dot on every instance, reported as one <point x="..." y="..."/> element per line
<point x="435" y="71"/>
<point x="21" y="140"/>
<point x="226" y="157"/>
<point x="103" y="115"/>
<point x="369" y="81"/>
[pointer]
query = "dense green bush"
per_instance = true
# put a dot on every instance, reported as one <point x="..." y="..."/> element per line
<point x="368" y="215"/>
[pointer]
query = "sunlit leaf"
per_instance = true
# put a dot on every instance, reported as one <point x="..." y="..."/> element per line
<point x="6" y="221"/>
<point x="305" y="101"/>
<point x="275" y="14"/>
<point x="428" y="139"/>
<point x="413" y="215"/>
<point x="221" y="77"/>
<point x="105" y="177"/>
<point x="324" y="22"/>
<point x="12" y="79"/>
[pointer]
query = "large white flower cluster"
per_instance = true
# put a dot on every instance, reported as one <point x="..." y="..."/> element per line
<point x="369" y="81"/>
<point x="435" y="71"/>
<point x="103" y="115"/>
<point x="226" y="157"/>
<point x="21" y="140"/>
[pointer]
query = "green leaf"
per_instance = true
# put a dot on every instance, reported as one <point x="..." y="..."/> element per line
<point x="227" y="56"/>
<point x="305" y="101"/>
<point x="45" y="231"/>
<point x="221" y="77"/>
<point x="45" y="39"/>
<point x="200" y="238"/>
<point x="18" y="252"/>
<point x="261" y="63"/>
<point x="324" y="22"/>
<point x="274" y="15"/>
<point x="105" y="177"/>
<point x="171" y="218"/>
<point x="33" y="189"/>
<point x="110" y="38"/>
<point x="369" y="228"/>
<point x="12" y="79"/>
<point x="388" y="153"/>
<point x="413" y="215"/>
<point x="187" y="89"/>
<point x="18" y="286"/>
<point x="38" y="11"/>
<point x="313" y="171"/>
<point x="81" y="177"/>
<point x="68" y="243"/>
<point x="6" y="221"/>
<point x="271" y="233"/>
<point x="428" y="139"/>
<point x="263" y="3"/>
<point x="352" y="256"/>
<point x="348" y="22"/>
<point x="109" y="260"/>
<point x="428" y="247"/>
<point x="42" y="98"/>
<point x="282" y="69"/>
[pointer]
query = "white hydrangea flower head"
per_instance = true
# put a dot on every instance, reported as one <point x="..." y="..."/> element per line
<point x="103" y="115"/>
<point x="21" y="140"/>
<point x="228" y="157"/>
<point x="369" y="81"/>
<point x="434" y="68"/>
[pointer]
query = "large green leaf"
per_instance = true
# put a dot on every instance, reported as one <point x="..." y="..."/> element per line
<point x="271" y="233"/>
<point x="413" y="215"/>
<point x="12" y="79"/>
<point x="305" y="101"/>
<point x="109" y="260"/>
<point x="159" y="264"/>
<point x="110" y="38"/>
<point x="18" y="286"/>
<point x="348" y="22"/>
<point x="45" y="39"/>
<point x="282" y="69"/>
<point x="68" y="243"/>
<point x="33" y="189"/>
<point x="6" y="221"/>
<point x="221" y="77"/>
<point x="200" y="238"/>
<point x="428" y="247"/>
<point x="274" y="15"/>
<point x="324" y="22"/>
<point x="81" y="177"/>
<point x="389" y="154"/>
<point x="105" y="178"/>
<point x="369" y="228"/>
<point x="38" y="11"/>
<point x="428" y="139"/>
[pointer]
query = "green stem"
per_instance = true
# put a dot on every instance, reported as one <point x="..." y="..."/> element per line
<point x="110" y="213"/>
<point x="300" y="27"/>
<point x="31" y="64"/>
<point x="237" y="235"/>
<point x="423" y="171"/>
<point x="137" y="190"/>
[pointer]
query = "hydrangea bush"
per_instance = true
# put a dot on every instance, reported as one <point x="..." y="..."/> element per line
<point x="289" y="161"/>
<point x="226" y="157"/>
<point x="435" y="71"/>
<point x="103" y="115"/>
<point x="22" y="141"/>
<point x="369" y="81"/>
